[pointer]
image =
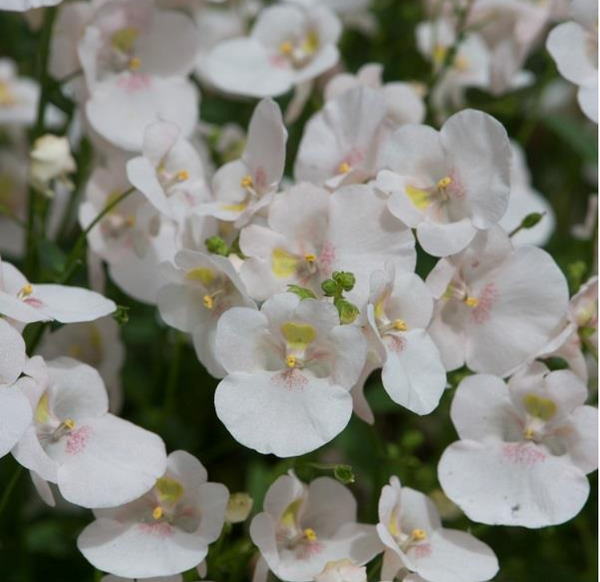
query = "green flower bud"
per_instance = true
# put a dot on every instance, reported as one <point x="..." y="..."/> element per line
<point x="348" y="311"/>
<point x="345" y="279"/>
<point x="329" y="287"/>
<point x="217" y="246"/>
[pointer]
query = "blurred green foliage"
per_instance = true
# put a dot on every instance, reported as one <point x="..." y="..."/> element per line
<point x="168" y="391"/>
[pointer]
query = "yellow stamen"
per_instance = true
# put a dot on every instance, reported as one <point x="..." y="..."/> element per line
<point x="135" y="63"/>
<point x="310" y="534"/>
<point x="247" y="181"/>
<point x="6" y="95"/>
<point x="26" y="290"/>
<point x="130" y="221"/>
<point x="419" y="535"/>
<point x="310" y="257"/>
<point x="208" y="302"/>
<point x="528" y="434"/>
<point x="286" y="48"/>
<point x="69" y="423"/>
<point x="291" y="361"/>
<point x="400" y="325"/>
<point x="183" y="175"/>
<point x="472" y="301"/>
<point x="344" y="168"/>
<point x="444" y="183"/>
<point x="158" y="512"/>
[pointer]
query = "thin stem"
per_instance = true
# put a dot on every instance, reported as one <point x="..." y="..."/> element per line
<point x="173" y="378"/>
<point x="80" y="245"/>
<point x="38" y="130"/>
<point x="9" y="488"/>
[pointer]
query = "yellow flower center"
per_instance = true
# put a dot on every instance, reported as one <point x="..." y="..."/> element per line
<point x="310" y="257"/>
<point x="291" y="361"/>
<point x="310" y="534"/>
<point x="400" y="325"/>
<point x="419" y="535"/>
<point x="344" y="168"/>
<point x="158" y="512"/>
<point x="208" y="301"/>
<point x="183" y="175"/>
<point x="472" y="301"/>
<point x="247" y="182"/>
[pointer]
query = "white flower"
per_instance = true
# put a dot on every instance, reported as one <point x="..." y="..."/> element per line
<point x="398" y="312"/>
<point x="169" y="172"/>
<point x="290" y="369"/>
<point x="497" y="306"/>
<point x="164" y="532"/>
<point x="524" y="200"/>
<point x="341" y="142"/>
<point x="579" y="328"/>
<point x="122" y="106"/>
<point x="27" y="303"/>
<point x="246" y="186"/>
<point x="302" y="528"/>
<point x="97" y="459"/>
<point x="411" y="529"/>
<point x="96" y="343"/>
<point x="574" y="47"/>
<point x="133" y="238"/>
<point x="15" y="411"/>
<point x="342" y="571"/>
<point x="312" y="233"/>
<point x="404" y="101"/>
<point x="23" y="5"/>
<point x="51" y="160"/>
<point x="448" y="184"/>
<point x="18" y="95"/>
<point x="288" y="45"/>
<point x="198" y="289"/>
<point x="525" y="448"/>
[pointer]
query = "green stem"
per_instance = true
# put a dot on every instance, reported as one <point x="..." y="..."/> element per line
<point x="77" y="252"/>
<point x="38" y="130"/>
<point x="173" y="378"/>
<point x="9" y="488"/>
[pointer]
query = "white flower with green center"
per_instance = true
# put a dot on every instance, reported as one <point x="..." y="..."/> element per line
<point x="305" y="527"/>
<point x="163" y="533"/>
<point x="198" y="290"/>
<point x="312" y="233"/>
<point x="526" y="448"/>
<point x="75" y="443"/>
<point x="290" y="367"/>
<point x="450" y="184"/>
<point x="410" y="528"/>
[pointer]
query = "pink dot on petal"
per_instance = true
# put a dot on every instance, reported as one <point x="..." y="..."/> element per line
<point x="77" y="440"/>
<point x="522" y="454"/>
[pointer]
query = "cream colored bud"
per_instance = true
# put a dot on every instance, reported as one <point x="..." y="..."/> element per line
<point x="51" y="159"/>
<point x="239" y="507"/>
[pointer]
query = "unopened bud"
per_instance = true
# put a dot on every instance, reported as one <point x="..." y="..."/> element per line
<point x="239" y="507"/>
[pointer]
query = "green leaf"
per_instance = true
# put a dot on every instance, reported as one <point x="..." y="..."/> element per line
<point x="575" y="134"/>
<point x="302" y="292"/>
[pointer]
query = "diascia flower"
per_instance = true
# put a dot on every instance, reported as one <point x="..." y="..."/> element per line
<point x="164" y="532"/>
<point x="97" y="459"/>
<point x="169" y="172"/>
<point x="404" y="101"/>
<point x="199" y="288"/>
<point x="580" y="328"/>
<point x="574" y="47"/>
<point x="398" y="313"/>
<point x="288" y="45"/>
<point x="526" y="448"/>
<point x="27" y="303"/>
<point x="312" y="233"/>
<point x="304" y="527"/>
<point x="15" y="410"/>
<point x="23" y="5"/>
<point x="96" y="343"/>
<point x="246" y="186"/>
<point x="448" y="184"/>
<point x="290" y="368"/>
<point x="412" y="532"/>
<point x="341" y="142"/>
<point x="497" y="305"/>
